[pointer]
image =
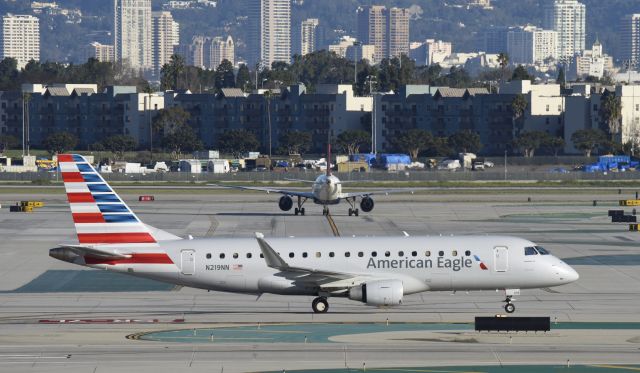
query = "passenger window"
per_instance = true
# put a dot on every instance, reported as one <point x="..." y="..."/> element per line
<point x="542" y="250"/>
<point x="387" y="253"/>
<point x="331" y="254"/>
<point x="530" y="251"/>
<point x="304" y="255"/>
<point x="427" y="253"/>
<point x="221" y="255"/>
<point x="401" y="253"/>
<point x="248" y="255"/>
<point x="454" y="253"/>
<point x="347" y="254"/>
<point x="360" y="254"/>
<point x="208" y="256"/>
<point x="467" y="253"/>
<point x="318" y="254"/>
<point x="235" y="255"/>
<point x="374" y="254"/>
<point x="291" y="255"/>
<point x="414" y="253"/>
<point x="440" y="253"/>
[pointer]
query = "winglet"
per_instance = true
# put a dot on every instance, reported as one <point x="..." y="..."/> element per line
<point x="271" y="257"/>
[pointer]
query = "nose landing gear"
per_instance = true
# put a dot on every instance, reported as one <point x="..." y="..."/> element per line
<point x="320" y="305"/>
<point x="509" y="307"/>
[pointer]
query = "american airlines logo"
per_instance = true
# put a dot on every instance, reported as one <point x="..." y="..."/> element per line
<point x="453" y="264"/>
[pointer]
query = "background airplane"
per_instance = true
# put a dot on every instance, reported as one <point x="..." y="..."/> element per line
<point x="326" y="190"/>
<point x="377" y="271"/>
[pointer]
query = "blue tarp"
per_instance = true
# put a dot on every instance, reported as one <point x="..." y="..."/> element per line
<point x="363" y="157"/>
<point x="387" y="159"/>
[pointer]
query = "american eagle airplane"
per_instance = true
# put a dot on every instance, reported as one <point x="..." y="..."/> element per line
<point x="326" y="190"/>
<point x="377" y="271"/>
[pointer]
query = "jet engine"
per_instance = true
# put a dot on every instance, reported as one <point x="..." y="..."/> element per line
<point x="366" y="204"/>
<point x="285" y="203"/>
<point x="378" y="293"/>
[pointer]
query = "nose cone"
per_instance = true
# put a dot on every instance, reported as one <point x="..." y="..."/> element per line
<point x="571" y="275"/>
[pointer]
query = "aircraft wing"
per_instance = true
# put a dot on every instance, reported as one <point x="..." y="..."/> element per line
<point x="328" y="280"/>
<point x="374" y="192"/>
<point x="270" y="190"/>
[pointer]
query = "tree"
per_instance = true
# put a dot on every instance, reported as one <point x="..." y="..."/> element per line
<point x="237" y="142"/>
<point x="167" y="119"/>
<point x="119" y="144"/>
<point x="224" y="75"/>
<point x="555" y="144"/>
<point x="587" y="140"/>
<point x="503" y="60"/>
<point x="59" y="142"/>
<point x="171" y="72"/>
<point x="350" y="141"/>
<point x="296" y="142"/>
<point x="520" y="73"/>
<point x="611" y="113"/>
<point x="529" y="142"/>
<point x="518" y="107"/>
<point x="7" y="142"/>
<point x="465" y="141"/>
<point x="412" y="141"/>
<point x="181" y="138"/>
<point x="243" y="78"/>
<point x="562" y="78"/>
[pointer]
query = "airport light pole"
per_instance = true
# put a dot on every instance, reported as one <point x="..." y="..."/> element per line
<point x="505" y="165"/>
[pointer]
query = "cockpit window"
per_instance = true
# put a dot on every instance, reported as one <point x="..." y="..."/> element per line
<point x="542" y="250"/>
<point x="530" y="251"/>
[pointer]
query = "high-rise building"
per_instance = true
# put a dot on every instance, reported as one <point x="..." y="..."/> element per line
<point x="567" y="18"/>
<point x="372" y="29"/>
<point x="217" y="50"/>
<point x="308" y="37"/>
<point x="101" y="52"/>
<point x="630" y="38"/>
<point x="398" y="32"/>
<point x="430" y="52"/>
<point x="20" y="38"/>
<point x="195" y="56"/>
<point x="166" y="35"/>
<point x="269" y="31"/>
<point x="132" y="33"/>
<point x="532" y="45"/>
<point x="387" y="29"/>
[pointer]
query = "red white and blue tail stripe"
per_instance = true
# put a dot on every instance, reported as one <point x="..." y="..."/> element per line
<point x="99" y="214"/>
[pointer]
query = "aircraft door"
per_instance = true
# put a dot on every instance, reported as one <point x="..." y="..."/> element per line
<point x="501" y="258"/>
<point x="188" y="262"/>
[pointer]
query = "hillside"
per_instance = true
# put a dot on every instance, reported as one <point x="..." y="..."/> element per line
<point x="432" y="19"/>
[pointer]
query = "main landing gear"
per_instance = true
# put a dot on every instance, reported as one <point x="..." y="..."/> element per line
<point x="300" y="210"/>
<point x="353" y="210"/>
<point x="325" y="210"/>
<point x="320" y="305"/>
<point x="509" y="307"/>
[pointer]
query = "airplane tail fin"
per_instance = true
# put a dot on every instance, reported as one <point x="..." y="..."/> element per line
<point x="101" y="217"/>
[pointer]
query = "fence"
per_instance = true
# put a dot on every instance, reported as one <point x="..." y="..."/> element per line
<point x="495" y="174"/>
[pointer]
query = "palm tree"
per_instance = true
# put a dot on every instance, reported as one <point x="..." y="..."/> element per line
<point x="503" y="60"/>
<point x="518" y="106"/>
<point x="611" y="113"/>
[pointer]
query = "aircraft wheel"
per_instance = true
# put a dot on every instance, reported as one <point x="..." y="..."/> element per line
<point x="357" y="212"/>
<point x="320" y="305"/>
<point x="296" y="211"/>
<point x="350" y="211"/>
<point x="302" y="211"/>
<point x="509" y="307"/>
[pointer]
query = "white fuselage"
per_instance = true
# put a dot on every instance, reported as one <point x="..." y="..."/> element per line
<point x="421" y="263"/>
<point x="327" y="190"/>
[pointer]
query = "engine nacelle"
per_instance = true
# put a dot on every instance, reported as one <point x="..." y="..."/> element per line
<point x="285" y="203"/>
<point x="366" y="204"/>
<point x="378" y="293"/>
